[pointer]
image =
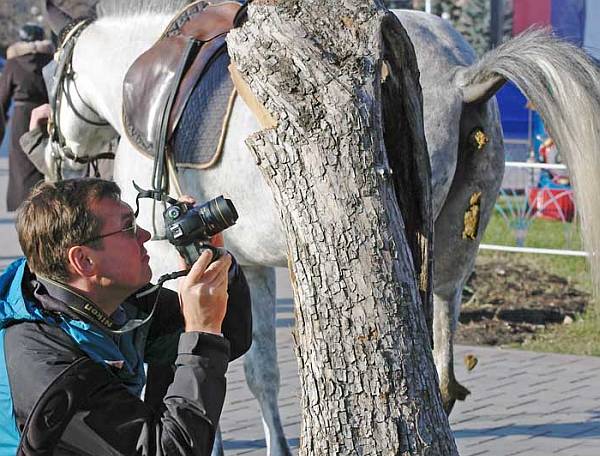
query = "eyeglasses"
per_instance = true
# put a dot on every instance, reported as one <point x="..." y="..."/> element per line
<point x="131" y="230"/>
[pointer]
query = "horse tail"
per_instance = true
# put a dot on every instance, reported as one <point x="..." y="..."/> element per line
<point x="563" y="84"/>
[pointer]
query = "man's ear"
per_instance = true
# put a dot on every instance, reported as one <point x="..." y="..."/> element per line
<point x="81" y="261"/>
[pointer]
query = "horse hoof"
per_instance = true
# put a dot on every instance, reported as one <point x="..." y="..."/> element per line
<point x="456" y="392"/>
<point x="280" y="448"/>
<point x="448" y="406"/>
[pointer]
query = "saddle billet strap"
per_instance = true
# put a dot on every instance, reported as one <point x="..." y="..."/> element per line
<point x="199" y="36"/>
<point x="160" y="178"/>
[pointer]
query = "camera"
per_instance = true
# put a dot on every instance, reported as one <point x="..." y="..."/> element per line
<point x="189" y="228"/>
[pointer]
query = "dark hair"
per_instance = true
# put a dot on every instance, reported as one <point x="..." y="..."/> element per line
<point x="31" y="32"/>
<point x="57" y="216"/>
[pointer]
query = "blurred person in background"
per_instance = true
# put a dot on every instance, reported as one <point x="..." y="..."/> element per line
<point x="2" y="62"/>
<point x="22" y="82"/>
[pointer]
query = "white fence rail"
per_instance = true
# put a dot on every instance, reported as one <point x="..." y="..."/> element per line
<point x="521" y="201"/>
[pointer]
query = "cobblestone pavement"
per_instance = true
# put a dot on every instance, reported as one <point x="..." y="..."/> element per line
<point x="521" y="403"/>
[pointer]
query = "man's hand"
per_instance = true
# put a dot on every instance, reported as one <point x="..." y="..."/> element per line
<point x="203" y="294"/>
<point x="39" y="116"/>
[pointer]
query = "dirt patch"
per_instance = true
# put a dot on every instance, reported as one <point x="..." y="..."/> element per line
<point x="507" y="302"/>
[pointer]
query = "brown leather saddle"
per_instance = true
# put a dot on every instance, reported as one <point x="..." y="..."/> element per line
<point x="183" y="79"/>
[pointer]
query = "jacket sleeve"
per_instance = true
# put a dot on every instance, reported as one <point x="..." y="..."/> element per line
<point x="34" y="143"/>
<point x="100" y="417"/>
<point x="6" y="92"/>
<point x="237" y="325"/>
<point x="64" y="401"/>
<point x="7" y="88"/>
<point x="168" y="322"/>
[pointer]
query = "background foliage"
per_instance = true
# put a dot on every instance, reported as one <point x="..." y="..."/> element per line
<point x="470" y="17"/>
<point x="15" y="13"/>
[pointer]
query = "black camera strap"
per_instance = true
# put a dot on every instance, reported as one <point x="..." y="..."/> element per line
<point x="155" y="194"/>
<point x="82" y="307"/>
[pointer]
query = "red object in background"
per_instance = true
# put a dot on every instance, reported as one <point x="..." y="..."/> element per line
<point x="528" y="13"/>
<point x="552" y="203"/>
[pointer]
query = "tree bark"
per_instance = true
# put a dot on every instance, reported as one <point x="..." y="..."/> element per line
<point x="344" y="153"/>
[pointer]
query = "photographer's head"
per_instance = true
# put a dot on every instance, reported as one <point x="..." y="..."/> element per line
<point x="79" y="232"/>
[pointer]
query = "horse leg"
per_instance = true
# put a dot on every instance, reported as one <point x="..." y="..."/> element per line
<point x="218" y="444"/>
<point x="260" y="362"/>
<point x="454" y="255"/>
<point x="446" y="303"/>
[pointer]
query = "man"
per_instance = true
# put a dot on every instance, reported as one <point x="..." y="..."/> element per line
<point x="22" y="82"/>
<point x="72" y="373"/>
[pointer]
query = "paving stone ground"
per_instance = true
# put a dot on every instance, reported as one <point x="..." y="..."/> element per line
<point x="521" y="403"/>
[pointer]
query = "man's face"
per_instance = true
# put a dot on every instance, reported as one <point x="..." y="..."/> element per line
<point x="122" y="260"/>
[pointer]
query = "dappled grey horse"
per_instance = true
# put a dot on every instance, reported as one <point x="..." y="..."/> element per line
<point x="464" y="140"/>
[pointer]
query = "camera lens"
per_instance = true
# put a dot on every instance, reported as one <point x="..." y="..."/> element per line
<point x="223" y="209"/>
<point x="217" y="214"/>
<point x="197" y="224"/>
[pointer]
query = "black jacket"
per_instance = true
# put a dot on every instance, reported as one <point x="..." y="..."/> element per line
<point x="64" y="403"/>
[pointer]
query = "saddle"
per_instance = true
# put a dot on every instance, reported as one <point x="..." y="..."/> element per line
<point x="178" y="94"/>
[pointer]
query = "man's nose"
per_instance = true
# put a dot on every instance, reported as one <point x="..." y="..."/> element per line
<point x="143" y="235"/>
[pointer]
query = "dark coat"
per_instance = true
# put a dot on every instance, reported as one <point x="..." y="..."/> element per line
<point x="61" y="401"/>
<point x="22" y="82"/>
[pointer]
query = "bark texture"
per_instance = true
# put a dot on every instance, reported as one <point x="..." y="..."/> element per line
<point x="346" y="170"/>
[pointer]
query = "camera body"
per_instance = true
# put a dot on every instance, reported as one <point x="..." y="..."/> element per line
<point x="189" y="228"/>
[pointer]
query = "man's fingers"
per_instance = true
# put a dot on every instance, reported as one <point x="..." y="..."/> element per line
<point x="217" y="268"/>
<point x="220" y="280"/>
<point x="182" y="264"/>
<point x="217" y="240"/>
<point x="199" y="267"/>
<point x="215" y="271"/>
<point x="187" y="199"/>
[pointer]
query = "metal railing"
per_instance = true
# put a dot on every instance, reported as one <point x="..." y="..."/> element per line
<point x="521" y="201"/>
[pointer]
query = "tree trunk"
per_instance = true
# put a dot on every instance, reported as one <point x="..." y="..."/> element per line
<point x="350" y="175"/>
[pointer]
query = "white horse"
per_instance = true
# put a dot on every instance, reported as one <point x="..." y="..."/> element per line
<point x="458" y="102"/>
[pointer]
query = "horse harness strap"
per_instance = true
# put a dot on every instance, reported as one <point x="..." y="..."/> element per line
<point x="160" y="82"/>
<point x="62" y="75"/>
